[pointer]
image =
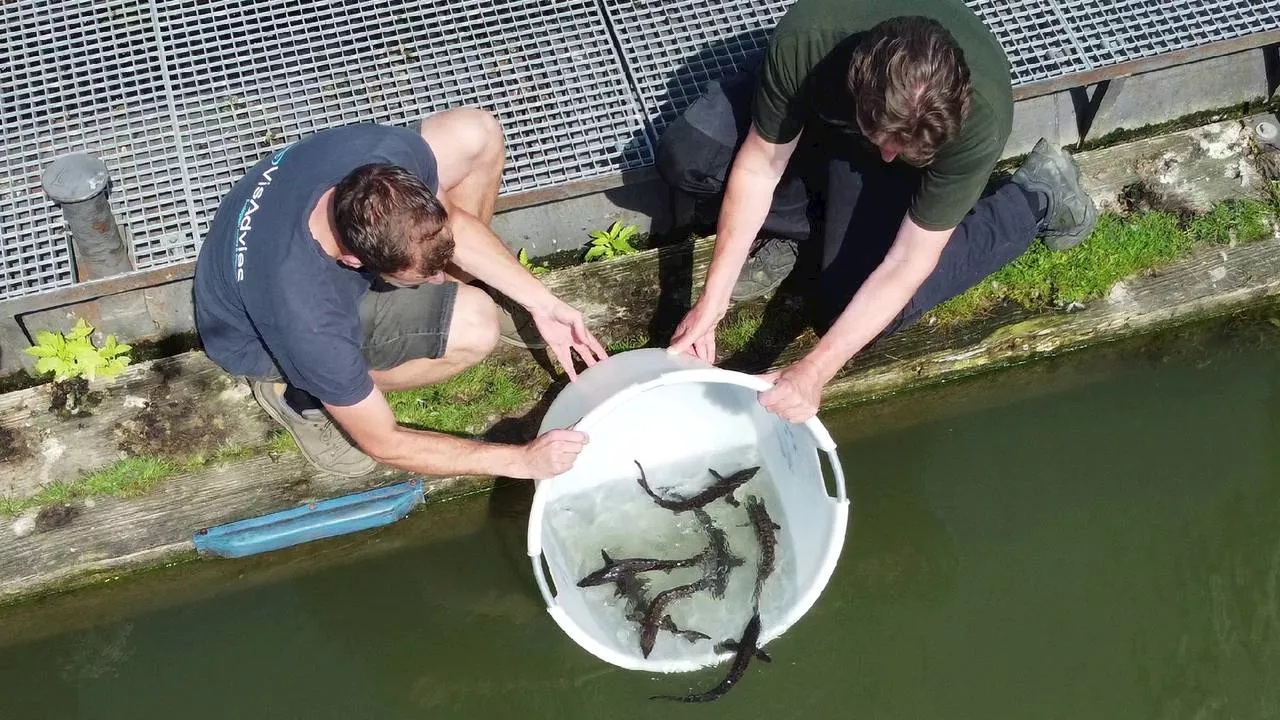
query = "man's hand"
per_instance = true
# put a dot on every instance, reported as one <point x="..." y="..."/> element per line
<point x="757" y="168"/>
<point x="696" y="333"/>
<point x="796" y="393"/>
<point x="551" y="453"/>
<point x="563" y="329"/>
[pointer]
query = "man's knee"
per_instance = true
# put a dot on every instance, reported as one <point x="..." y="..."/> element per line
<point x="475" y="131"/>
<point x="473" y="331"/>
<point x="696" y="150"/>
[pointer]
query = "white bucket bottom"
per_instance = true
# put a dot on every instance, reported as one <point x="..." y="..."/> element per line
<point x="621" y="519"/>
<point x="678" y="418"/>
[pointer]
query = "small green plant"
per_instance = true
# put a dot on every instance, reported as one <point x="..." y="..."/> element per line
<point x="611" y="243"/>
<point x="529" y="265"/>
<point x="72" y="354"/>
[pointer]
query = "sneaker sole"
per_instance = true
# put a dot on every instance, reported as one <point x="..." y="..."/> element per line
<point x="518" y="343"/>
<point x="275" y="414"/>
<point x="735" y="297"/>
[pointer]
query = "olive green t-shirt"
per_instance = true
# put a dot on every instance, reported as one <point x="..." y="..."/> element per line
<point x="803" y="81"/>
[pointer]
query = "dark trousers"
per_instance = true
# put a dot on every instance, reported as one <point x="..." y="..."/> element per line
<point x="847" y="196"/>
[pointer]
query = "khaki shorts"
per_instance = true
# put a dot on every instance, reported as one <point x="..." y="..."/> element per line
<point x="401" y="324"/>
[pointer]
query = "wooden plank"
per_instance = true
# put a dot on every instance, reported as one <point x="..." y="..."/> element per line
<point x="576" y="188"/>
<point x="111" y="533"/>
<point x="174" y="407"/>
<point x="94" y="289"/>
<point x="115" y="533"/>
<point x="642" y="294"/>
<point x="1194" y="168"/>
<point x="193" y="582"/>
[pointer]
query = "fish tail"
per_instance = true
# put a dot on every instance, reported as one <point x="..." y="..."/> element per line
<point x="647" y="640"/>
<point x="695" y="698"/>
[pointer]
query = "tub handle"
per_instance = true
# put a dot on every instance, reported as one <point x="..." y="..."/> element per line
<point x="544" y="584"/>
<point x="838" y="472"/>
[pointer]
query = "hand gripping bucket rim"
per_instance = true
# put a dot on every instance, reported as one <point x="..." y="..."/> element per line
<point x="823" y="441"/>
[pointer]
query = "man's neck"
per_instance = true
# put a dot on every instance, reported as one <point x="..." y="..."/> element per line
<point x="320" y="223"/>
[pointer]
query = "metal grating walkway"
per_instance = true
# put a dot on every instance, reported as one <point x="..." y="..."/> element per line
<point x="179" y="97"/>
<point x="671" y="48"/>
<point x="1113" y="31"/>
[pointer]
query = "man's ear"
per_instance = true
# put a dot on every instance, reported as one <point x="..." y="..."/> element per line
<point x="349" y="260"/>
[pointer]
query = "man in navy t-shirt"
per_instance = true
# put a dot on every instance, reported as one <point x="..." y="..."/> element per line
<point x="329" y="276"/>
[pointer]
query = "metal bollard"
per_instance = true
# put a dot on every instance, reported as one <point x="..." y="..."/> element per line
<point x="78" y="183"/>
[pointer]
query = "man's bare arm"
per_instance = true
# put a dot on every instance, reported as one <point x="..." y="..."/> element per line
<point x="479" y="252"/>
<point x="754" y="176"/>
<point x="797" y="390"/>
<point x="373" y="427"/>
<point x="912" y="257"/>
<point x="755" y="173"/>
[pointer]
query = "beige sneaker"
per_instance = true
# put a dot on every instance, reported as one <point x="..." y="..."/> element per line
<point x="515" y="324"/>
<point x="321" y="441"/>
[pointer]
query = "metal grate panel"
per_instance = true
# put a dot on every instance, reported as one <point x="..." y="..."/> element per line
<point x="1033" y="36"/>
<point x="84" y="77"/>
<point x="1114" y="31"/>
<point x="181" y="102"/>
<point x="179" y="97"/>
<point x="250" y="77"/>
<point x="673" y="47"/>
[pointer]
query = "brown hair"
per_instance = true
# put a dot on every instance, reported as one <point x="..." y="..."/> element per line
<point x="910" y="86"/>
<point x="391" y="221"/>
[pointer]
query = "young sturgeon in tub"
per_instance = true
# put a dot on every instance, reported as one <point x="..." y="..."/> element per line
<point x="746" y="648"/>
<point x="634" y="590"/>
<point x="767" y="537"/>
<point x="723" y="487"/>
<point x="718" y="559"/>
<point x="656" y="613"/>
<point x="616" y="571"/>
<point x="766" y="531"/>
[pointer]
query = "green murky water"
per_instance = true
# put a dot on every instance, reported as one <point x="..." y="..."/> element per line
<point x="1095" y="536"/>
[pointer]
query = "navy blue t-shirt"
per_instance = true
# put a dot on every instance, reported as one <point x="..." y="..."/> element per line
<point x="266" y="292"/>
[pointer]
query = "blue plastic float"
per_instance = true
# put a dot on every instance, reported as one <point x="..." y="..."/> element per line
<point x="313" y="521"/>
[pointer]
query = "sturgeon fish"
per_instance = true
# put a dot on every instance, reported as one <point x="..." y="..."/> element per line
<point x="616" y="571"/>
<point x="656" y="612"/>
<point x="766" y="531"/>
<point x="717" y="559"/>
<point x="634" y="590"/>
<point x="723" y="487"/>
<point x="746" y="648"/>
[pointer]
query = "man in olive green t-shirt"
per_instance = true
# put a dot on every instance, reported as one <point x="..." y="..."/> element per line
<point x="887" y="118"/>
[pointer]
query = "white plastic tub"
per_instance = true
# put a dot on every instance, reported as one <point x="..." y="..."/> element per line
<point x="673" y="411"/>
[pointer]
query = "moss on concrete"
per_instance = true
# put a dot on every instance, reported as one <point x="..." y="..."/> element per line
<point x="1120" y="246"/>
<point x="1185" y="122"/>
